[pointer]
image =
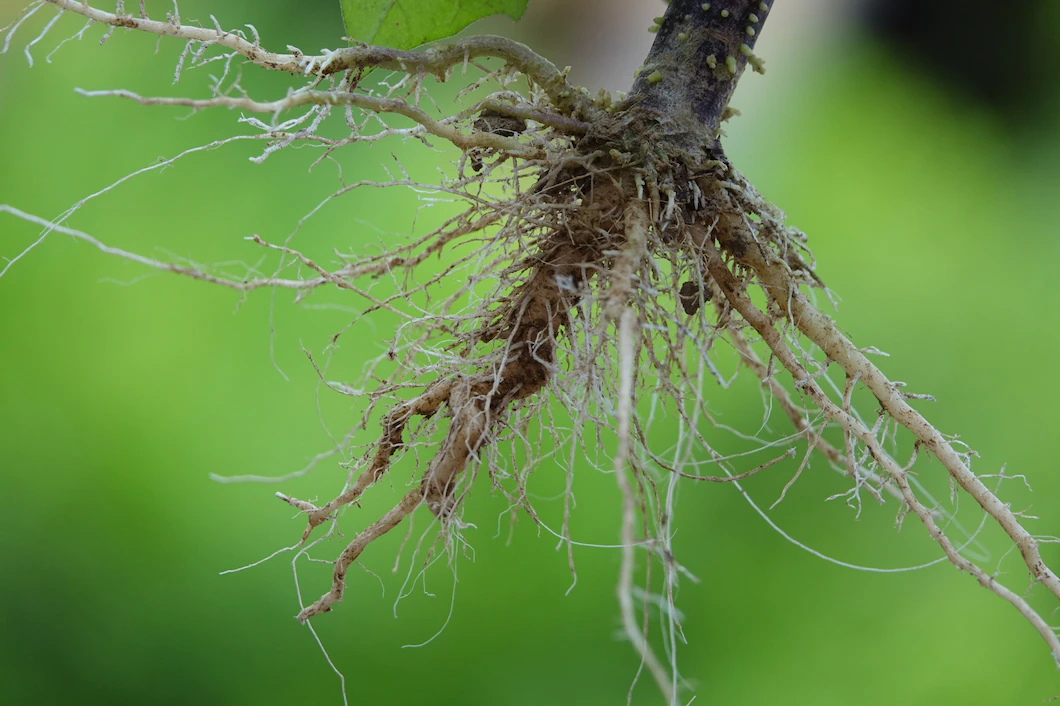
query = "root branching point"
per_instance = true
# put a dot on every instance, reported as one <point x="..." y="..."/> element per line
<point x="603" y="251"/>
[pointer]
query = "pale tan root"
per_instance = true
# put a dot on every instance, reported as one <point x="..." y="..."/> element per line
<point x="820" y="330"/>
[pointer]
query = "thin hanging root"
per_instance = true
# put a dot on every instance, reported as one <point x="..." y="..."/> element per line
<point x="628" y="334"/>
<point x="776" y="281"/>
<point x="637" y="224"/>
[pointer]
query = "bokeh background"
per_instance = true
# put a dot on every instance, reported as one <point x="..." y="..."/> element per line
<point x="924" y="165"/>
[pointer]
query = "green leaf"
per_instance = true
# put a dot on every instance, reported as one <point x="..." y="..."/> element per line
<point x="403" y="24"/>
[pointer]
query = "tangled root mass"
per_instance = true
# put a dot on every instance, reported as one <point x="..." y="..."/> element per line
<point x="609" y="246"/>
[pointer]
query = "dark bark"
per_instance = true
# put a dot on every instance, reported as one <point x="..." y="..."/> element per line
<point x="684" y="86"/>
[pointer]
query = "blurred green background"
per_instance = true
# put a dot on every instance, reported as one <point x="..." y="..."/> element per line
<point x="123" y="389"/>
